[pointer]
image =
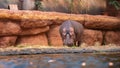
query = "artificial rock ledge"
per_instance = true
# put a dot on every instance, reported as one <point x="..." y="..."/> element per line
<point x="25" y="27"/>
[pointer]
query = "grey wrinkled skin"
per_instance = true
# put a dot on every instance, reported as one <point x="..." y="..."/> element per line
<point x="71" y="32"/>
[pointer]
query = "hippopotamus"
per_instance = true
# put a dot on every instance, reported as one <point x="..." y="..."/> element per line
<point x="71" y="32"/>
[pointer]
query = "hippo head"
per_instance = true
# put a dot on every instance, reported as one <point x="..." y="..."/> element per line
<point x="68" y="36"/>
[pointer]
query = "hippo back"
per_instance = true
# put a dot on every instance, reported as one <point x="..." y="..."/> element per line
<point x="78" y="28"/>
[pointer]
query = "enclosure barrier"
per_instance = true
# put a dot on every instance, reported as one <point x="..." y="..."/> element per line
<point x="41" y="28"/>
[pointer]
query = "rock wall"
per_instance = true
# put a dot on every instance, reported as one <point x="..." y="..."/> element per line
<point x="41" y="28"/>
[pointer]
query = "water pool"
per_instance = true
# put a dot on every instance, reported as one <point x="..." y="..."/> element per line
<point x="88" y="60"/>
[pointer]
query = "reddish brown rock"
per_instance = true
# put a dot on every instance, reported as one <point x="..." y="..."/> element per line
<point x="102" y="22"/>
<point x="39" y="39"/>
<point x="90" y="37"/>
<point x="34" y="31"/>
<point x="7" y="41"/>
<point x="58" y="22"/>
<point x="112" y="37"/>
<point x="54" y="36"/>
<point x="9" y="28"/>
<point x="92" y="21"/>
<point x="34" y="23"/>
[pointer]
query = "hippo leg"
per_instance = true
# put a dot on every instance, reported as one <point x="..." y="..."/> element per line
<point x="75" y="43"/>
<point x="78" y="43"/>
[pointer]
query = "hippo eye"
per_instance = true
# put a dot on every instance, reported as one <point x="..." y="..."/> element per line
<point x="71" y="33"/>
<point x="64" y="33"/>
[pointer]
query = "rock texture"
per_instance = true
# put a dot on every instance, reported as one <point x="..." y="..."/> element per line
<point x="55" y="16"/>
<point x="91" y="37"/>
<point x="54" y="36"/>
<point x="7" y="41"/>
<point x="98" y="23"/>
<point x="42" y="28"/>
<point x="33" y="23"/>
<point x="112" y="37"/>
<point x="34" y="31"/>
<point x="39" y="39"/>
<point x="9" y="28"/>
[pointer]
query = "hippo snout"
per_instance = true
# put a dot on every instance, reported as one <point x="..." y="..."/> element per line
<point x="68" y="43"/>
